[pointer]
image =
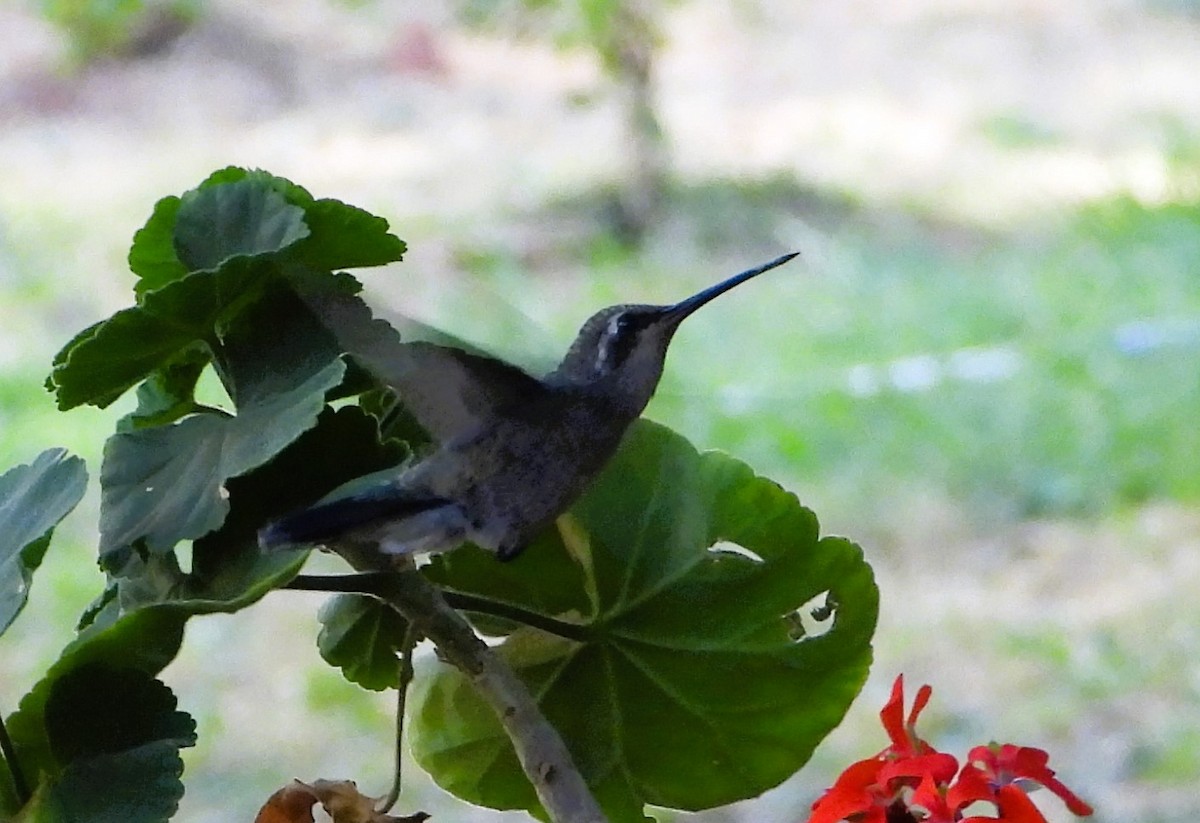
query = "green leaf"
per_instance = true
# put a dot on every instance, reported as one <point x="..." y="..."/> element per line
<point x="340" y="236"/>
<point x="146" y="640"/>
<point x="169" y="393"/>
<point x="241" y="579"/>
<point x="695" y="689"/>
<point x="345" y="237"/>
<point x="236" y="231"/>
<point x="166" y="484"/>
<point x="103" y="362"/>
<point x="33" y="499"/>
<point x="141" y="628"/>
<point x="140" y="785"/>
<point x="244" y="218"/>
<point x="343" y="444"/>
<point x="544" y="578"/>
<point x="98" y="710"/>
<point x="294" y="194"/>
<point x="152" y="256"/>
<point x="362" y="636"/>
<point x="115" y="736"/>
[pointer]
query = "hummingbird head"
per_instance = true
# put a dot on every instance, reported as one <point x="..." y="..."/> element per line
<point x="623" y="348"/>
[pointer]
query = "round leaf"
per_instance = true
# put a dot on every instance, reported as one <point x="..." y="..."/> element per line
<point x="695" y="687"/>
<point x="362" y="636"/>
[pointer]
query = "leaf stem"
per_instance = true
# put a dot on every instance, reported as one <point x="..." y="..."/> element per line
<point x="9" y="751"/>
<point x="543" y="756"/>
<point x="368" y="584"/>
<point x="411" y="637"/>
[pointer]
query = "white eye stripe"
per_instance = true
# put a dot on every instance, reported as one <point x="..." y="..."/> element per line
<point x="605" y="340"/>
<point x="610" y="333"/>
<point x="614" y="325"/>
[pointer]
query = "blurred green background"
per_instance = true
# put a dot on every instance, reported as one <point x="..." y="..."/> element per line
<point x="986" y="367"/>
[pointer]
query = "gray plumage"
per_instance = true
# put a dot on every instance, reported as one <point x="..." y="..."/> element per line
<point x="513" y="451"/>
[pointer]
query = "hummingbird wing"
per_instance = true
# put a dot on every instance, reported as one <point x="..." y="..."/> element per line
<point x="448" y="390"/>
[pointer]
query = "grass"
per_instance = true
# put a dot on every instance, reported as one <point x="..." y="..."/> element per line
<point x="1048" y="374"/>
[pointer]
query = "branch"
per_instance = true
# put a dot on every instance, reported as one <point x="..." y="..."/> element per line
<point x="542" y="754"/>
<point x="462" y="601"/>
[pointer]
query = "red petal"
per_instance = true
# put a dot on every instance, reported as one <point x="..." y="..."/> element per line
<point x="972" y="785"/>
<point x="1073" y="801"/>
<point x="849" y="795"/>
<point x="929" y="798"/>
<point x="940" y="767"/>
<point x="835" y="807"/>
<point x="1025" y="761"/>
<point x="923" y="695"/>
<point x="1016" y="807"/>
<point x="892" y="714"/>
<point x="860" y="775"/>
<point x="985" y="755"/>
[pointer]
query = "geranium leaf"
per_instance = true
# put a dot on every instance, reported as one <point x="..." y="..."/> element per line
<point x="152" y="257"/>
<point x="142" y="630"/>
<point x="106" y="360"/>
<point x="200" y="257"/>
<point x="543" y="578"/>
<point x="146" y="640"/>
<point x="343" y="444"/>
<point x="99" y="709"/>
<point x="165" y="484"/>
<point x="243" y="218"/>
<point x="345" y="237"/>
<point x="138" y="785"/>
<point x="169" y="393"/>
<point x="115" y="737"/>
<point x="361" y="636"/>
<point x="696" y="687"/>
<point x="33" y="499"/>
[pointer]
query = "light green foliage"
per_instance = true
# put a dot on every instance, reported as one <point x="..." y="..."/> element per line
<point x="97" y="28"/>
<point x="592" y="24"/>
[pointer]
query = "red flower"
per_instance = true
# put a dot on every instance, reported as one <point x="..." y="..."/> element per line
<point x="1010" y="765"/>
<point x="869" y="788"/>
<point x="912" y="781"/>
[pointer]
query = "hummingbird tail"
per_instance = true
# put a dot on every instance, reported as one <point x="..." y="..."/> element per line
<point x="325" y="522"/>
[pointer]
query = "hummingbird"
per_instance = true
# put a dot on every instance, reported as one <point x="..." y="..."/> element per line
<point x="514" y="451"/>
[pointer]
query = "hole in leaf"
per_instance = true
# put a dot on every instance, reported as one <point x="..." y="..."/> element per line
<point x="726" y="548"/>
<point x="813" y="619"/>
<point x="211" y="392"/>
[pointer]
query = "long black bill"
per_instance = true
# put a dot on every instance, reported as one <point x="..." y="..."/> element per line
<point x="685" y="307"/>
